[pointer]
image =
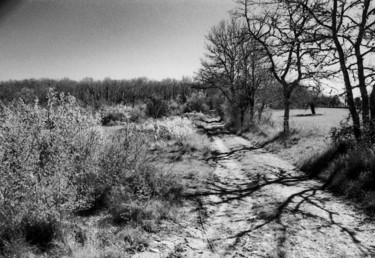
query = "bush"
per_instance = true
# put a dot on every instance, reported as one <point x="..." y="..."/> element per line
<point x="348" y="166"/>
<point x="48" y="157"/>
<point x="343" y="133"/>
<point x="41" y="233"/>
<point x="171" y="128"/>
<point x="196" y="102"/>
<point x="55" y="160"/>
<point x="156" y="107"/>
<point x="174" y="108"/>
<point x="266" y="118"/>
<point x="136" y="114"/>
<point x="353" y="174"/>
<point x="113" y="118"/>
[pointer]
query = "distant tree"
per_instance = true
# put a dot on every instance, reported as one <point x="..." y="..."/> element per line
<point x="305" y="96"/>
<point x="96" y="93"/>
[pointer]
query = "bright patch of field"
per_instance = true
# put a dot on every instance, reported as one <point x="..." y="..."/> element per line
<point x="320" y="124"/>
<point x="311" y="135"/>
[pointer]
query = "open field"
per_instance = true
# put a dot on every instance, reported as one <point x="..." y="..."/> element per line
<point x="310" y="134"/>
<point x="321" y="123"/>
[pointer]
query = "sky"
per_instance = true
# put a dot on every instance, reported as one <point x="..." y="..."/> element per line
<point x="120" y="39"/>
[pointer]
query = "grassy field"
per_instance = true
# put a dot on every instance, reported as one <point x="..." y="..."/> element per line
<point x="321" y="123"/>
<point x="310" y="134"/>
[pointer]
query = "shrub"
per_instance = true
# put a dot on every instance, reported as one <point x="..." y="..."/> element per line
<point x="174" y="108"/>
<point x="171" y="128"/>
<point x="113" y="118"/>
<point x="125" y="213"/>
<point x="55" y="160"/>
<point x="48" y="157"/>
<point x="343" y="133"/>
<point x="156" y="107"/>
<point x="41" y="232"/>
<point x="266" y="118"/>
<point x="136" y="114"/>
<point x="348" y="166"/>
<point x="353" y="173"/>
<point x="196" y="102"/>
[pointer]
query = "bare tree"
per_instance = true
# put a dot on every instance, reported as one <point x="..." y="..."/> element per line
<point x="234" y="65"/>
<point x="348" y="28"/>
<point x="284" y="32"/>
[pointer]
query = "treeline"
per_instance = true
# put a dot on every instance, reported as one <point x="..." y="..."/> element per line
<point x="97" y="92"/>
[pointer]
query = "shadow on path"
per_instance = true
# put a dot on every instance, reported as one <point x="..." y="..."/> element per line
<point x="303" y="193"/>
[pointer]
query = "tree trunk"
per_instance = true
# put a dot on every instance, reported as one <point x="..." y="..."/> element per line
<point x="345" y="73"/>
<point x="362" y="88"/>
<point x="242" y="111"/>
<point x="133" y="100"/>
<point x="312" y="107"/>
<point x="349" y="91"/>
<point x="251" y="105"/>
<point x="260" y="111"/>
<point x="372" y="110"/>
<point x="287" y="94"/>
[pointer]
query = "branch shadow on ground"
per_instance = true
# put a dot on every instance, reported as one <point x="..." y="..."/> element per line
<point x="293" y="204"/>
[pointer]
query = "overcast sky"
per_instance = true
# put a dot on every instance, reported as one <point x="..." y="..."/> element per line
<point x="105" y="38"/>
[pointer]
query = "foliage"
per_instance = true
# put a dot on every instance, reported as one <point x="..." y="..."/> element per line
<point x="113" y="118"/>
<point x="137" y="114"/>
<point x="173" y="128"/>
<point x="347" y="165"/>
<point x="352" y="174"/>
<point x="196" y="102"/>
<point x="266" y="118"/>
<point x="55" y="160"/>
<point x="343" y="134"/>
<point x="156" y="107"/>
<point x="47" y="155"/>
<point x="174" y="108"/>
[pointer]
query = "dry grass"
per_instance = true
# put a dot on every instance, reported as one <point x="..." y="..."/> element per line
<point x="121" y="197"/>
<point x="129" y="228"/>
<point x="320" y="124"/>
<point x="347" y="170"/>
<point x="310" y="133"/>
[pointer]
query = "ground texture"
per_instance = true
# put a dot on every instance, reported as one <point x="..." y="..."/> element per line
<point x="258" y="205"/>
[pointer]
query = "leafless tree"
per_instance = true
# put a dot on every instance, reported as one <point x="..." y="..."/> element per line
<point x="234" y="64"/>
<point x="348" y="28"/>
<point x="284" y="31"/>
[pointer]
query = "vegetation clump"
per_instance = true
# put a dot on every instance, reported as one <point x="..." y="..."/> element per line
<point x="156" y="107"/>
<point x="196" y="102"/>
<point x="56" y="161"/>
<point x="347" y="165"/>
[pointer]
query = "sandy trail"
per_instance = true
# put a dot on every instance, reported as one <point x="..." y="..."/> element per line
<point x="258" y="205"/>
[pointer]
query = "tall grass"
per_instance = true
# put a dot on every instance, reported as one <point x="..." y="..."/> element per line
<point x="47" y="156"/>
<point x="170" y="128"/>
<point x="56" y="161"/>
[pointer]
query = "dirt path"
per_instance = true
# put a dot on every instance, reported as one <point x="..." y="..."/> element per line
<point x="258" y="205"/>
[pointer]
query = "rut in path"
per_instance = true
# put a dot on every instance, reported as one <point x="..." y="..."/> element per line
<point x="258" y="205"/>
